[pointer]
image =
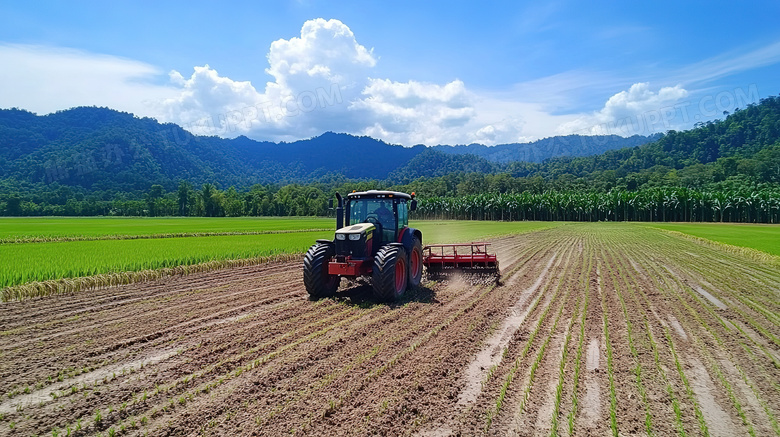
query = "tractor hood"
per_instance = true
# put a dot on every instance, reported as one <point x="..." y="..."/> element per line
<point x="356" y="229"/>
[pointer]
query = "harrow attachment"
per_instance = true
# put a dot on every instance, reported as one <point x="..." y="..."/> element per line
<point x="464" y="257"/>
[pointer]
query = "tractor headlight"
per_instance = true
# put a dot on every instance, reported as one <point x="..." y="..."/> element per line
<point x="354" y="237"/>
<point x="341" y="236"/>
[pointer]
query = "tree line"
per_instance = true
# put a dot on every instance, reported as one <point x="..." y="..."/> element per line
<point x="732" y="202"/>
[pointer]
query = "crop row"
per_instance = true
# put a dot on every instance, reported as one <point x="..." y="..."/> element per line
<point x="585" y="286"/>
<point x="627" y="274"/>
<point x="551" y="301"/>
<point x="212" y="375"/>
<point x="369" y="376"/>
<point x="642" y="299"/>
<point x="695" y="315"/>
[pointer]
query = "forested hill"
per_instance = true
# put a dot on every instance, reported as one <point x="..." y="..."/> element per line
<point x="101" y="149"/>
<point x="746" y="144"/>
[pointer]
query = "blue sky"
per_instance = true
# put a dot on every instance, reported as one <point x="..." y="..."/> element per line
<point x="406" y="72"/>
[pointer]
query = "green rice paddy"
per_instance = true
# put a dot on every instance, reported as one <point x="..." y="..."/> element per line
<point x="54" y="227"/>
<point x="93" y="246"/>
<point x="765" y="238"/>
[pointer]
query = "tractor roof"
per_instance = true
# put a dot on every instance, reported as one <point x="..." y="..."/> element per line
<point x="374" y="194"/>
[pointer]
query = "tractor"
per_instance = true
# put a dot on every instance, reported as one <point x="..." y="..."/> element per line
<point x="373" y="239"/>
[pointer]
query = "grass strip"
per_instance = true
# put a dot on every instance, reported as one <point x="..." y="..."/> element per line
<point x="632" y="346"/>
<point x="73" y="285"/>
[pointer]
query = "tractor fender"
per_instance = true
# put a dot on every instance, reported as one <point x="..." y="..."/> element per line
<point x="406" y="235"/>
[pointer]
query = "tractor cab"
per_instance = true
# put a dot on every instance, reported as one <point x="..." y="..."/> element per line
<point x="388" y="211"/>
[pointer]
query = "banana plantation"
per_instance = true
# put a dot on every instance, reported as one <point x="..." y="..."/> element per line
<point x="649" y="205"/>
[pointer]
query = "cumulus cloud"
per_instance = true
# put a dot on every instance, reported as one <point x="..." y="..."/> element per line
<point x="203" y="95"/>
<point x="639" y="111"/>
<point x="326" y="51"/>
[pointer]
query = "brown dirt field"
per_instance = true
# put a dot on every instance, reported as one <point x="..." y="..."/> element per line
<point x="589" y="321"/>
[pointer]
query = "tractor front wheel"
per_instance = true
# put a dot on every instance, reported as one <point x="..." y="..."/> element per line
<point x="315" y="271"/>
<point x="390" y="273"/>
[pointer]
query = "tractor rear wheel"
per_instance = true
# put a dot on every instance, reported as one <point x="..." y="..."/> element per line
<point x="390" y="273"/>
<point x="415" y="263"/>
<point x="315" y="271"/>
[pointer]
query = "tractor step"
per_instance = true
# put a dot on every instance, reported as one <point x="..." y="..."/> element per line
<point x="468" y="257"/>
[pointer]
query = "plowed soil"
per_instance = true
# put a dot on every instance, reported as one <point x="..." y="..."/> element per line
<point x="594" y="329"/>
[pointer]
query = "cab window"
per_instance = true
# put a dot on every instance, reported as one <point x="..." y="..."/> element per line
<point x="378" y="210"/>
<point x="403" y="214"/>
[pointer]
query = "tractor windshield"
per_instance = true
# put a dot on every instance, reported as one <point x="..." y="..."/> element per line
<point x="374" y="211"/>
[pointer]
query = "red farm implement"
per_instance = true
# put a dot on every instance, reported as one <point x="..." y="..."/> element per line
<point x="466" y="257"/>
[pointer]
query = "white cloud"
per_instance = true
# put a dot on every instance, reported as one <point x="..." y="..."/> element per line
<point x="326" y="51"/>
<point x="46" y="79"/>
<point x="414" y="112"/>
<point x="639" y="98"/>
<point x="638" y="111"/>
<point x="203" y="94"/>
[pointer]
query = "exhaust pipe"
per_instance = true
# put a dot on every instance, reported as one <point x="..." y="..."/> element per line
<point x="339" y="212"/>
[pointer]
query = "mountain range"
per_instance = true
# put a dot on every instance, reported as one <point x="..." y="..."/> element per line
<point x="100" y="148"/>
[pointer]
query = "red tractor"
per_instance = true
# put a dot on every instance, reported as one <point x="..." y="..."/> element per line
<point x="373" y="238"/>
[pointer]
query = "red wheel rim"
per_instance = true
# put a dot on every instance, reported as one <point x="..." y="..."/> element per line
<point x="415" y="262"/>
<point x="400" y="275"/>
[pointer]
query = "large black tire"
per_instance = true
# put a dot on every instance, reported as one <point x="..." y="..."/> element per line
<point x="315" y="274"/>
<point x="415" y="263"/>
<point x="390" y="274"/>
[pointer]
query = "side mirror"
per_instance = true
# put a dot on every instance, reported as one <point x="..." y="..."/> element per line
<point x="413" y="205"/>
<point x="330" y="203"/>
